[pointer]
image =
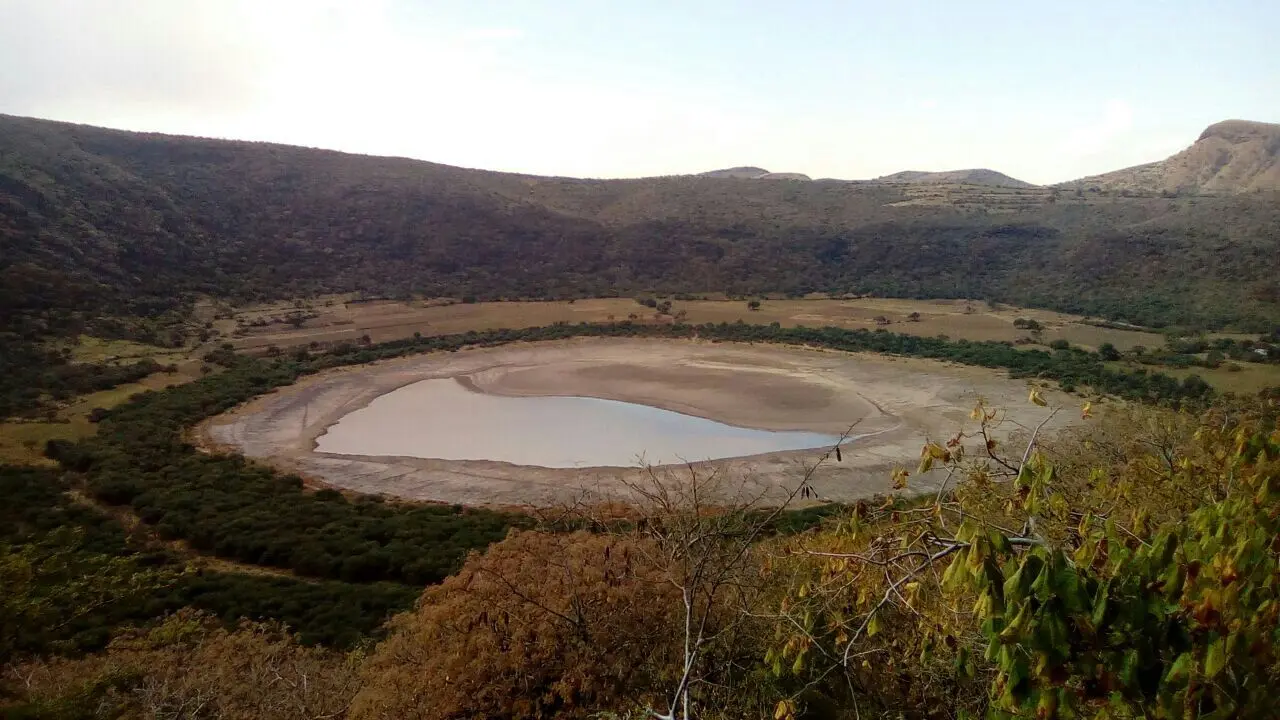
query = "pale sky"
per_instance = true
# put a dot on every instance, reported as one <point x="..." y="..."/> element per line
<point x="1044" y="91"/>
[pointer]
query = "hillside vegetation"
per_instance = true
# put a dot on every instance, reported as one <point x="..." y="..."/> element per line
<point x="98" y="225"/>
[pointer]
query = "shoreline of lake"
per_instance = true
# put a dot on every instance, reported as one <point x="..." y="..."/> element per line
<point x="897" y="403"/>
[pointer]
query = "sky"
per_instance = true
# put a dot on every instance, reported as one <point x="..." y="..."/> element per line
<point x="1043" y="91"/>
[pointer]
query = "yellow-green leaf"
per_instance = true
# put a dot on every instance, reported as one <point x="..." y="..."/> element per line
<point x="873" y="625"/>
<point x="1180" y="670"/>
<point x="1216" y="658"/>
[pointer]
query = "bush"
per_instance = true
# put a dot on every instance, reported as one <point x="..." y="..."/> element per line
<point x="571" y="624"/>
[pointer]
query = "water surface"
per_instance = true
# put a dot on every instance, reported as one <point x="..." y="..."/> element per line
<point x="442" y="419"/>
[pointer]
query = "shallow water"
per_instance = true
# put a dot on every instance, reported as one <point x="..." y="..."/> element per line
<point x="442" y="419"/>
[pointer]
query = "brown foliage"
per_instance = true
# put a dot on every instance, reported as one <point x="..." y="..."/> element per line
<point x="189" y="667"/>
<point x="540" y="625"/>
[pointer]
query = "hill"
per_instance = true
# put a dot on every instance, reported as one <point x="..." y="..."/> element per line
<point x="746" y="172"/>
<point x="978" y="176"/>
<point x="753" y="173"/>
<point x="1233" y="156"/>
<point x="120" y="232"/>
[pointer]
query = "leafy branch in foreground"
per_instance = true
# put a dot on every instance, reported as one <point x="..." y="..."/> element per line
<point x="1026" y="592"/>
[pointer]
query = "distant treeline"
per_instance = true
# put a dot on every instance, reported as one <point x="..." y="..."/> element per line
<point x="1186" y="351"/>
<point x="1072" y="367"/>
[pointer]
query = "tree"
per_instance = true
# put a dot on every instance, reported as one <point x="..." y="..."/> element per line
<point x="647" y="611"/>
<point x="701" y="550"/>
<point x="702" y="531"/>
<point x="753" y="304"/>
<point x="540" y="625"/>
<point x="914" y="317"/>
<point x="1108" y="352"/>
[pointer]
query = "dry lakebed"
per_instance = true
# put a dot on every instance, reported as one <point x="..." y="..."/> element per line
<point x="539" y="424"/>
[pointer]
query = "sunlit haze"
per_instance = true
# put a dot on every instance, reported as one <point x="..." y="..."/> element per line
<point x="1042" y="91"/>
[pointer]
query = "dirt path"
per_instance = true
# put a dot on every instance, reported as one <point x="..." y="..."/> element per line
<point x="896" y="404"/>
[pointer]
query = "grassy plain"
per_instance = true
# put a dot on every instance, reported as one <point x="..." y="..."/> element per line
<point x="1249" y="379"/>
<point x="341" y="321"/>
<point x="23" y="442"/>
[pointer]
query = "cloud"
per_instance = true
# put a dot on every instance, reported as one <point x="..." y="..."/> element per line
<point x="1117" y="136"/>
<point x="494" y="33"/>
<point x="388" y="77"/>
<point x="367" y="77"/>
<point x="77" y="55"/>
<point x="319" y="72"/>
<point x="1103" y="133"/>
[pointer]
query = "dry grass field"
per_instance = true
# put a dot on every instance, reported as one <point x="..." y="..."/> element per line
<point x="1248" y="379"/>
<point x="23" y="442"/>
<point x="341" y="321"/>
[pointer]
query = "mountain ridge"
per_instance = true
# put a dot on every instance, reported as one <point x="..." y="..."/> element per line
<point x="1262" y="138"/>
<point x="1231" y="156"/>
<point x="99" y="224"/>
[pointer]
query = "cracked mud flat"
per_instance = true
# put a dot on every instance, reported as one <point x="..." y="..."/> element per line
<point x="896" y="403"/>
